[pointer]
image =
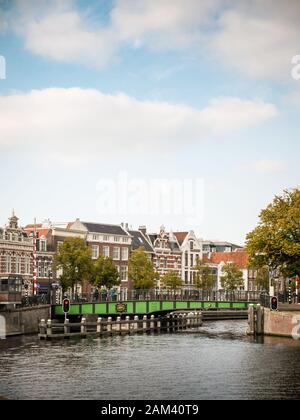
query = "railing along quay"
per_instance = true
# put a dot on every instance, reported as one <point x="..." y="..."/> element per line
<point x="107" y="327"/>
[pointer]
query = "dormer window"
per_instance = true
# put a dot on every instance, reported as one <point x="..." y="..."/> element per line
<point x="43" y="245"/>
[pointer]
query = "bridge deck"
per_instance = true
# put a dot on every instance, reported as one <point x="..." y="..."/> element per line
<point x="145" y="307"/>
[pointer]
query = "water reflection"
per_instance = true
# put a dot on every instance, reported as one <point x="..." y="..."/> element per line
<point x="217" y="362"/>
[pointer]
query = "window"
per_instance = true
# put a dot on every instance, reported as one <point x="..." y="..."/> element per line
<point x="95" y="252"/>
<point x="192" y="260"/>
<point x="27" y="265"/>
<point x="8" y="264"/>
<point x="125" y="240"/>
<point x="123" y="273"/>
<point x="186" y="259"/>
<point x="191" y="245"/>
<point x="117" y="239"/>
<point x="43" y="245"/>
<point x="116" y="253"/>
<point x="125" y="254"/>
<point x="106" y="238"/>
<point x="106" y="251"/>
<point x="95" y="237"/>
<point x="18" y="265"/>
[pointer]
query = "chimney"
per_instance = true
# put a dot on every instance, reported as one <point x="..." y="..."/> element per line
<point x="143" y="229"/>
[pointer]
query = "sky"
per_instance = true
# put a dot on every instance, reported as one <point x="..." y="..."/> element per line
<point x="183" y="113"/>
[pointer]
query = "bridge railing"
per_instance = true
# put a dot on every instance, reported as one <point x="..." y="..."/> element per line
<point x="137" y="295"/>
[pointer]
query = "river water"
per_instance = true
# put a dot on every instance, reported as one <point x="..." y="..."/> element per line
<point x="219" y="362"/>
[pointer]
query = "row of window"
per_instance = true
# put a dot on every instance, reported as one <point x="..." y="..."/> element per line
<point x="117" y="254"/>
<point x="17" y="265"/>
<point x="107" y="238"/>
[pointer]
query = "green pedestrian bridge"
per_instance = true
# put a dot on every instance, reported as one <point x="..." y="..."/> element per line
<point x="145" y="307"/>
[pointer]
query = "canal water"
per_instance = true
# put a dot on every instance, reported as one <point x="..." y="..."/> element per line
<point x="219" y="362"/>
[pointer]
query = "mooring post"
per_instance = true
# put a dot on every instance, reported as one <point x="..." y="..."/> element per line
<point x="49" y="327"/>
<point x="145" y="322"/>
<point x="128" y="325"/>
<point x="43" y="327"/>
<point x="152" y="323"/>
<point x="159" y="324"/>
<point x="119" y="325"/>
<point x="67" y="326"/>
<point x="136" y="323"/>
<point x="168" y="322"/>
<point x="259" y="320"/>
<point x="83" y="326"/>
<point x="251" y="320"/>
<point x="99" y="325"/>
<point x="109" y="324"/>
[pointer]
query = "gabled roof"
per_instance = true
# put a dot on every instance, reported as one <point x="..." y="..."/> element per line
<point x="139" y="240"/>
<point x="240" y="258"/>
<point x="105" y="229"/>
<point x="181" y="236"/>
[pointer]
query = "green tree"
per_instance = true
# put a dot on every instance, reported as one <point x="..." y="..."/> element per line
<point x="74" y="258"/>
<point x="141" y="270"/>
<point x="205" y="279"/>
<point x="105" y="273"/>
<point x="275" y="242"/>
<point x="232" y="277"/>
<point x="171" y="280"/>
<point x="262" y="278"/>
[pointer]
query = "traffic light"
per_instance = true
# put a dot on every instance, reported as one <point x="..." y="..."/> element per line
<point x="274" y="303"/>
<point x="66" y="306"/>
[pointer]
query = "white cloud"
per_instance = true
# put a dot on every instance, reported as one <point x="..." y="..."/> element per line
<point x="266" y="166"/>
<point x="259" y="46"/>
<point x="60" y="32"/>
<point x="76" y="123"/>
<point x="256" y="38"/>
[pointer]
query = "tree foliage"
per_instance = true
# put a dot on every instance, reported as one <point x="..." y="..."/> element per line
<point x="205" y="278"/>
<point x="105" y="273"/>
<point x="171" y="280"/>
<point x="232" y="277"/>
<point x="141" y="270"/>
<point x="275" y="242"/>
<point x="262" y="278"/>
<point x="74" y="258"/>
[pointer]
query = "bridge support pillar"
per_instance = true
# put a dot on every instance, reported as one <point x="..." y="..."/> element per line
<point x="119" y="325"/>
<point x="136" y="323"/>
<point x="128" y="325"/>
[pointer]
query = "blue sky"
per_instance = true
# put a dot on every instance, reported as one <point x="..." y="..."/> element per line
<point x="168" y="90"/>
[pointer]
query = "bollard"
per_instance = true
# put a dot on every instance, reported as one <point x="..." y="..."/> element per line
<point x="184" y="321"/>
<point x="83" y="326"/>
<point x="158" y="324"/>
<point x="49" y="327"/>
<point x="127" y="326"/>
<point x="152" y="323"/>
<point x="109" y="325"/>
<point x="145" y="322"/>
<point x="168" y="323"/>
<point x="43" y="327"/>
<point x="251" y="320"/>
<point x="119" y="325"/>
<point x="136" y="323"/>
<point x="99" y="325"/>
<point x="67" y="326"/>
<point x="259" y="320"/>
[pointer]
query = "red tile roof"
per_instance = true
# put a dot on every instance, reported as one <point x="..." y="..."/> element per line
<point x="181" y="236"/>
<point x="43" y="232"/>
<point x="240" y="258"/>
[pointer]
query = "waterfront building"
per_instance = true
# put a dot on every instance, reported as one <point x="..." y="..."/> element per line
<point x="241" y="259"/>
<point x="167" y="253"/>
<point x="16" y="254"/>
<point x="209" y="247"/>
